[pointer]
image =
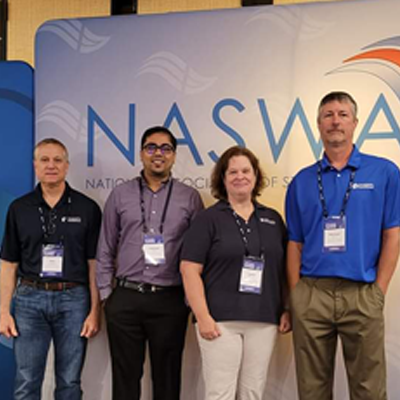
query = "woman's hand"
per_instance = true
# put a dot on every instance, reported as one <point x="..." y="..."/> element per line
<point x="285" y="324"/>
<point x="208" y="328"/>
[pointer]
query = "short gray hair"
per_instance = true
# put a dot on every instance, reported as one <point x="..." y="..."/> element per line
<point x="341" y="97"/>
<point x="53" y="141"/>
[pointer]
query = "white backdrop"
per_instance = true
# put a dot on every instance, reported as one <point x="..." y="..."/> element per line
<point x="250" y="76"/>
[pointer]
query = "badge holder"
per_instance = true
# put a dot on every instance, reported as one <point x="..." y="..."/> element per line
<point x="52" y="260"/>
<point x="153" y="249"/>
<point x="251" y="275"/>
<point x="334" y="234"/>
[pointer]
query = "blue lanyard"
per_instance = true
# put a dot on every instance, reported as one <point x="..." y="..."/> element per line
<point x="322" y="196"/>
<point x="243" y="232"/>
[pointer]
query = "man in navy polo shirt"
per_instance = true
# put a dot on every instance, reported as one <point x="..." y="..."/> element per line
<point x="49" y="248"/>
<point x="343" y="216"/>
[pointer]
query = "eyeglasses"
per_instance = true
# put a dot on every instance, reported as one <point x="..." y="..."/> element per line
<point x="165" y="149"/>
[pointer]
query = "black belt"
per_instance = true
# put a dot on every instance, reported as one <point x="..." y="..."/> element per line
<point x="51" y="286"/>
<point x="145" y="287"/>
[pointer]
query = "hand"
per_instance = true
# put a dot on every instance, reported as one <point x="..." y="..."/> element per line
<point x="285" y="324"/>
<point x="293" y="285"/>
<point x="91" y="326"/>
<point x="208" y="328"/>
<point x="7" y="326"/>
<point x="383" y="288"/>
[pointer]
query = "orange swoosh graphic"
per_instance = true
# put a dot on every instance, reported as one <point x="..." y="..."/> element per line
<point x="390" y="55"/>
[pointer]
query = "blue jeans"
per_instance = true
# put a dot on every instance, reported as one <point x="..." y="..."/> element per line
<point x="42" y="316"/>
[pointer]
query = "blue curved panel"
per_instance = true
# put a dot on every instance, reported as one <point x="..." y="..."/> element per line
<point x="16" y="172"/>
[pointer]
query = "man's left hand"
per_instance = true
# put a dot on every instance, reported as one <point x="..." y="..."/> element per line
<point x="91" y="326"/>
<point x="383" y="287"/>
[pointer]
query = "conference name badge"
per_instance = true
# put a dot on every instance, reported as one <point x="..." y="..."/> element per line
<point x="334" y="234"/>
<point x="153" y="249"/>
<point x="52" y="260"/>
<point x="251" y="275"/>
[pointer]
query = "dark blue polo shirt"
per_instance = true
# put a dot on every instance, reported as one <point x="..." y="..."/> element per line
<point x="76" y="219"/>
<point x="214" y="241"/>
<point x="373" y="206"/>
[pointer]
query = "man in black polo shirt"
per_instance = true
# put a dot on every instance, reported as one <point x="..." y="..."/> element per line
<point x="49" y="247"/>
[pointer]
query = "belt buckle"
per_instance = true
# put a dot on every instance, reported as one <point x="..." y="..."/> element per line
<point x="140" y="287"/>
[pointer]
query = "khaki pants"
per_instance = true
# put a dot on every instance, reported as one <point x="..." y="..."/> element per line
<point x="322" y="310"/>
<point x="235" y="365"/>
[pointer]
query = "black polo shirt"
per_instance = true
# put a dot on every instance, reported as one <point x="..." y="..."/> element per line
<point x="76" y="220"/>
<point x="214" y="241"/>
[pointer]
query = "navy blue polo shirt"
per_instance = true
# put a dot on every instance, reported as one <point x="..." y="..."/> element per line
<point x="77" y="220"/>
<point x="214" y="241"/>
<point x="373" y="206"/>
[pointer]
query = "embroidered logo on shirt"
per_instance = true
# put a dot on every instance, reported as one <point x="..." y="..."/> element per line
<point x="364" y="186"/>
<point x="76" y="220"/>
<point x="268" y="221"/>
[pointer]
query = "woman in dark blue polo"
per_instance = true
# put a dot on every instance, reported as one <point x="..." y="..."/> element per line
<point x="233" y="273"/>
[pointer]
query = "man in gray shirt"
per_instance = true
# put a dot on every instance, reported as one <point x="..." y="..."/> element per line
<point x="141" y="237"/>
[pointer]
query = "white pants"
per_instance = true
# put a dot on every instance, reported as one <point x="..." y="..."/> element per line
<point x="235" y="365"/>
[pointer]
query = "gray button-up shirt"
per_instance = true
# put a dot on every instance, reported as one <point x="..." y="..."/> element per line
<point x="120" y="251"/>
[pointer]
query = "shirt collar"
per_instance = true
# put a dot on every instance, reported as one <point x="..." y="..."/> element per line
<point x="224" y="205"/>
<point x="41" y="201"/>
<point x="163" y="183"/>
<point x="353" y="162"/>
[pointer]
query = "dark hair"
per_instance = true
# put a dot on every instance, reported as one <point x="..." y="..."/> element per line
<point x="54" y="141"/>
<point x="218" y="189"/>
<point x="341" y="97"/>
<point x="158" y="129"/>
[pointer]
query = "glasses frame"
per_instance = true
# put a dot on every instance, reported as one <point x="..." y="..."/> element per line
<point x="165" y="149"/>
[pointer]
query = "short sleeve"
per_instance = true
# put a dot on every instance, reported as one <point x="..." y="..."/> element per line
<point x="391" y="216"/>
<point x="93" y="231"/>
<point x="11" y="248"/>
<point x="293" y="216"/>
<point x="284" y="231"/>
<point x="198" y="239"/>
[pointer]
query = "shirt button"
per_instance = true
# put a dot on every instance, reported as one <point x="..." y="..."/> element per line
<point x="338" y="175"/>
<point x="153" y="212"/>
<point x="155" y="196"/>
<point x="152" y="230"/>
